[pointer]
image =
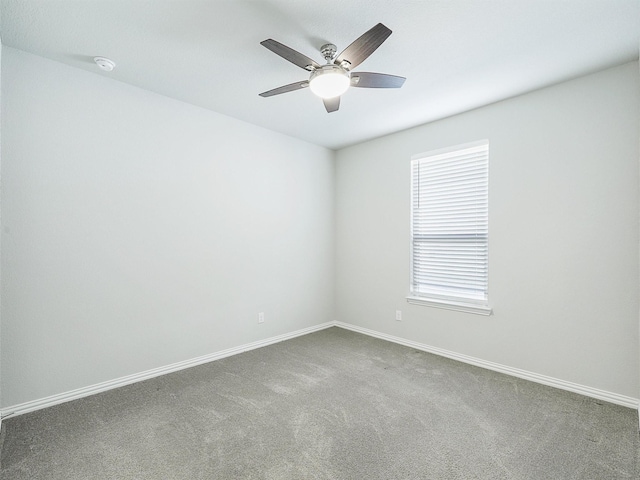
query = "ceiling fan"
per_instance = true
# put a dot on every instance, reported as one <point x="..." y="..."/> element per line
<point x="331" y="80"/>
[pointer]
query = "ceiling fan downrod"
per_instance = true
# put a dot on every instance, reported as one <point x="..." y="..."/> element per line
<point x="328" y="51"/>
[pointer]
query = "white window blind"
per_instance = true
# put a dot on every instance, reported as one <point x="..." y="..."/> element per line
<point x="450" y="224"/>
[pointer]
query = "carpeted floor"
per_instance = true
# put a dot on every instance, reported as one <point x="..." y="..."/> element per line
<point x="330" y="405"/>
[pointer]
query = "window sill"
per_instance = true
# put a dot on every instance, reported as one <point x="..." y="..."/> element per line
<point x="451" y="305"/>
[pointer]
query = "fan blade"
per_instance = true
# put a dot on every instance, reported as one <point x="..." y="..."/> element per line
<point x="375" y="80"/>
<point x="285" y="89"/>
<point x="331" y="104"/>
<point x="362" y="47"/>
<point x="290" y="54"/>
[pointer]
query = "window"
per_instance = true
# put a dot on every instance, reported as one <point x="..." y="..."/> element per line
<point x="449" y="228"/>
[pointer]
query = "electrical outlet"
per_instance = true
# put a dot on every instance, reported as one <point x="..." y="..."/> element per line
<point x="261" y="317"/>
<point x="398" y="315"/>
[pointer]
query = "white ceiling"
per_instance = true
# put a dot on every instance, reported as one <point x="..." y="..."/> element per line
<point x="456" y="54"/>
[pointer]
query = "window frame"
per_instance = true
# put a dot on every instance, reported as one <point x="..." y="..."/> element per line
<point x="436" y="299"/>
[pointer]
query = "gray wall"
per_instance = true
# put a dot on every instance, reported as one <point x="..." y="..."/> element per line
<point x="0" y="234"/>
<point x="139" y="231"/>
<point x="563" y="213"/>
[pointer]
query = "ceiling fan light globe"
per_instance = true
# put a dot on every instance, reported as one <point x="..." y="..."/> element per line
<point x="329" y="82"/>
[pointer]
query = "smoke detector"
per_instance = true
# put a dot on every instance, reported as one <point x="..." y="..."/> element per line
<point x="104" y="63"/>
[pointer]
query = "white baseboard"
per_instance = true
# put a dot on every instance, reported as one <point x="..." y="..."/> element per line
<point x="138" y="377"/>
<point x="516" y="372"/>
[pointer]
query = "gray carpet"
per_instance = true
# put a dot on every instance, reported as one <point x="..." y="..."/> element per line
<point x="330" y="405"/>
